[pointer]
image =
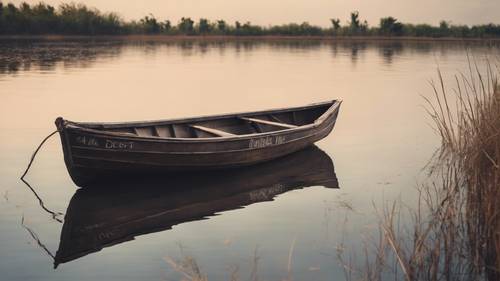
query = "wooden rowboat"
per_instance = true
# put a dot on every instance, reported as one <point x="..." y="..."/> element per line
<point x="93" y="151"/>
<point x="120" y="211"/>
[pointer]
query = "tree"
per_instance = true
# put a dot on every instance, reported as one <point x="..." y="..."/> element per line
<point x="444" y="28"/>
<point x="249" y="29"/>
<point x="390" y="26"/>
<point x="444" y="25"/>
<point x="204" y="26"/>
<point x="25" y="8"/>
<point x="221" y="26"/>
<point x="335" y="23"/>
<point x="354" y="24"/>
<point x="1" y="18"/>
<point x="44" y="19"/>
<point x="186" y="25"/>
<point x="306" y="29"/>
<point x="150" y="24"/>
<point x="166" y="26"/>
<point x="11" y="17"/>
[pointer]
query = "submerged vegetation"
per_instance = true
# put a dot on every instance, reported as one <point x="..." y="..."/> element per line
<point x="78" y="19"/>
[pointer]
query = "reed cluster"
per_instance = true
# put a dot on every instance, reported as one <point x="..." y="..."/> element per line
<point x="454" y="232"/>
<point x="471" y="142"/>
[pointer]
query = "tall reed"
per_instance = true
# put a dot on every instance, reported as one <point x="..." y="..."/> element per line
<point x="471" y="143"/>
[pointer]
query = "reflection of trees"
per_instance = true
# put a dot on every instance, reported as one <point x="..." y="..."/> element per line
<point x="25" y="55"/>
<point x="356" y="48"/>
<point x="389" y="50"/>
<point x="46" y="55"/>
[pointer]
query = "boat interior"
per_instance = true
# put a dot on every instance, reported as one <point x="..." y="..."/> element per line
<point x="225" y="126"/>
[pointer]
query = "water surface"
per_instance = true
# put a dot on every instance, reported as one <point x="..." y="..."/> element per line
<point x="377" y="150"/>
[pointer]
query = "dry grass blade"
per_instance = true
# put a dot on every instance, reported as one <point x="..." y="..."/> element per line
<point x="290" y="255"/>
<point x="188" y="267"/>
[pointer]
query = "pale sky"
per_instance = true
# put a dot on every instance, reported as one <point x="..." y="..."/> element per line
<point x="318" y="12"/>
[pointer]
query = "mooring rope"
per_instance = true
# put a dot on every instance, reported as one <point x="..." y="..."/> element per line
<point x="36" y="151"/>
<point x="55" y="215"/>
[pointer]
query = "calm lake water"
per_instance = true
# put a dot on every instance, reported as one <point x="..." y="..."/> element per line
<point x="376" y="153"/>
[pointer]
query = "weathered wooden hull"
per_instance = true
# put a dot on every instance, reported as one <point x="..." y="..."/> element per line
<point x="91" y="155"/>
<point x="118" y="211"/>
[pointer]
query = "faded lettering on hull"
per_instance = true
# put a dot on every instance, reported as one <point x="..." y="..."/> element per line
<point x="119" y="144"/>
<point x="108" y="144"/>
<point x="266" y="141"/>
<point x="87" y="141"/>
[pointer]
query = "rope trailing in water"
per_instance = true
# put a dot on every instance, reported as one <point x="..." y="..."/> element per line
<point x="55" y="215"/>
<point x="35" y="237"/>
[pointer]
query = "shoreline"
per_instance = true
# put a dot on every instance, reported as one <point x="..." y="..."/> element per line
<point x="164" y="37"/>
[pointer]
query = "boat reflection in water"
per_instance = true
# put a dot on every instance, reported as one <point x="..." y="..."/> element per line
<point x="103" y="217"/>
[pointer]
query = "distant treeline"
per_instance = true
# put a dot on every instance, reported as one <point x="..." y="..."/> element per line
<point x="78" y="19"/>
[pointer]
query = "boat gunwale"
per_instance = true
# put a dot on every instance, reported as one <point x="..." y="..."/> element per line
<point x="192" y="152"/>
<point x="67" y="124"/>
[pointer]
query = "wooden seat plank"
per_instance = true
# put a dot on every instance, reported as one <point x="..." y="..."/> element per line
<point x="162" y="131"/>
<point x="172" y="131"/>
<point x="143" y="131"/>
<point x="212" y="131"/>
<point x="267" y="122"/>
<point x="156" y="132"/>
